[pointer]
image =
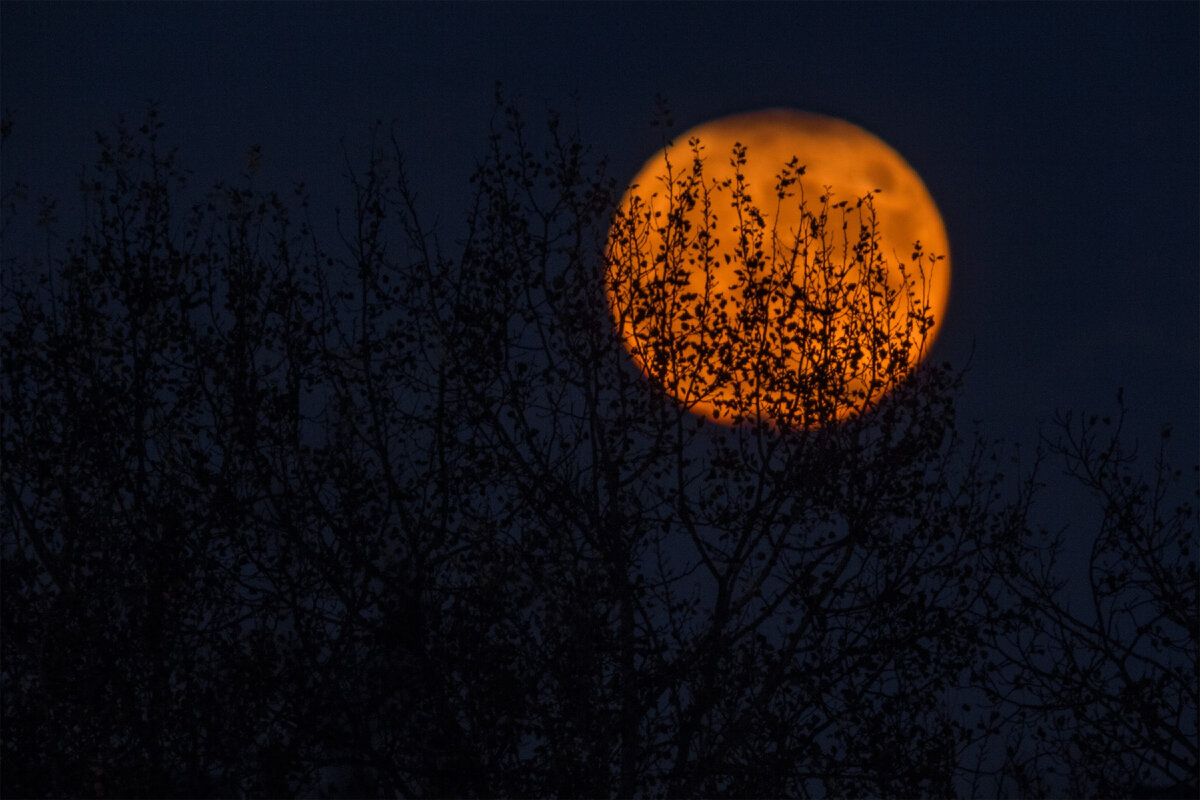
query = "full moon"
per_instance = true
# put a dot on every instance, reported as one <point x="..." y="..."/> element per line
<point x="777" y="266"/>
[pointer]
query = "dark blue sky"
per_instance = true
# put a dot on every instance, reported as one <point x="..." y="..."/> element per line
<point x="1060" y="141"/>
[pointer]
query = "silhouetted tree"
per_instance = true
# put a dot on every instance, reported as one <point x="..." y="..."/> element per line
<point x="1100" y="687"/>
<point x="403" y="522"/>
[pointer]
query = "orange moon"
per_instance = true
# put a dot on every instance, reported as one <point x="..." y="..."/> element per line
<point x="679" y="252"/>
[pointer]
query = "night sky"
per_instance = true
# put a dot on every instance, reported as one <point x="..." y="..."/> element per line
<point x="1060" y="142"/>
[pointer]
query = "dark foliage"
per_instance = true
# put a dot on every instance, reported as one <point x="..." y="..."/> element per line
<point x="400" y="522"/>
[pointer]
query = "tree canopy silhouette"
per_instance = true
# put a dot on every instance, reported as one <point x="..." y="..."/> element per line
<point x="401" y="518"/>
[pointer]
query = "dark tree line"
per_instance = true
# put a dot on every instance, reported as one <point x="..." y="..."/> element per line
<point x="393" y="517"/>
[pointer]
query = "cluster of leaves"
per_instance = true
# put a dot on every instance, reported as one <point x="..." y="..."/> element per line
<point x="800" y="328"/>
<point x="399" y="523"/>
